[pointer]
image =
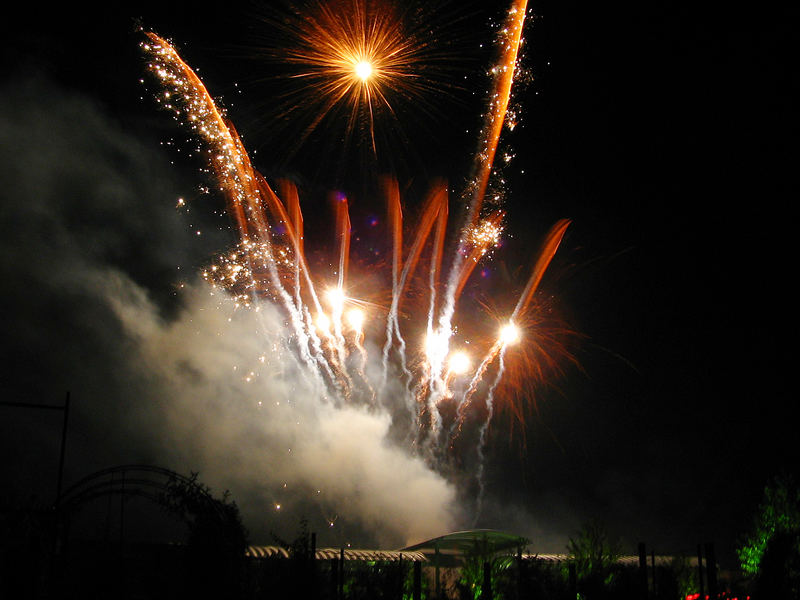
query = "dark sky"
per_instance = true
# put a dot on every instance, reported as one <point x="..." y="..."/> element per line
<point x="665" y="132"/>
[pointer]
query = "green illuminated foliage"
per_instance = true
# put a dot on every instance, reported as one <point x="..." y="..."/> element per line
<point x="594" y="554"/>
<point x="778" y="516"/>
<point x="471" y="582"/>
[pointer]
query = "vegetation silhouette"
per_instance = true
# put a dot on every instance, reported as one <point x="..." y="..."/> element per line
<point x="770" y="552"/>
<point x="217" y="539"/>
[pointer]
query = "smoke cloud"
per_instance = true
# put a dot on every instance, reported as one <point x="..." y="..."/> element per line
<point x="101" y="299"/>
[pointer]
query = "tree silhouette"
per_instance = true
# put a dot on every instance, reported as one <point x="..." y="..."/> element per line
<point x="217" y="541"/>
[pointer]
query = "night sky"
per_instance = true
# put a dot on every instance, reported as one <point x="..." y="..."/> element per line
<point x="665" y="132"/>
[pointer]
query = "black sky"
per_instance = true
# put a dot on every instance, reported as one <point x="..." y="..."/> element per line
<point x="666" y="132"/>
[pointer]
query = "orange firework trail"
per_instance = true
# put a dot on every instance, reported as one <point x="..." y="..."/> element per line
<point x="511" y="39"/>
<point x="330" y="332"/>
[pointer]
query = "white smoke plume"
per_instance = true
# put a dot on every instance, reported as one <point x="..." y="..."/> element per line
<point x="91" y="248"/>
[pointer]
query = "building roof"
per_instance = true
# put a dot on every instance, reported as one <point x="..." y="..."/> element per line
<point x="626" y="560"/>
<point x="455" y="546"/>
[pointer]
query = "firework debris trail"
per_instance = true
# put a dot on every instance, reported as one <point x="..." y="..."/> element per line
<point x="269" y="263"/>
<point x="510" y="41"/>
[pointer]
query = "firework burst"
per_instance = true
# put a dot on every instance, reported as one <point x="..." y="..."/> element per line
<point x="356" y="72"/>
<point x="328" y="330"/>
<point x="352" y="56"/>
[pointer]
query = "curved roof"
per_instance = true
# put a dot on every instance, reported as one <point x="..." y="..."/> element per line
<point x="459" y="543"/>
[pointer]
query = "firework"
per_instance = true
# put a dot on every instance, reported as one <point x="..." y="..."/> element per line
<point x="352" y="66"/>
<point x="327" y="329"/>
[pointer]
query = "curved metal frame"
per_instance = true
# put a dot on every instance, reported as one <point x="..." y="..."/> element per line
<point x="147" y="481"/>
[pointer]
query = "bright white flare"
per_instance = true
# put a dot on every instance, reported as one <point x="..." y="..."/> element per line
<point x="363" y="70"/>
<point x="436" y="346"/>
<point x="323" y="322"/>
<point x="356" y="318"/>
<point x="509" y="334"/>
<point x="459" y="362"/>
<point x="336" y="298"/>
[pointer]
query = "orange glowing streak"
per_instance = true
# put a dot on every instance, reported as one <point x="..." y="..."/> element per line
<point x="396" y="225"/>
<point x="292" y="199"/>
<point x="438" y="250"/>
<point x="549" y="248"/>
<point x="433" y="207"/>
<point x="499" y="105"/>
<point x="275" y="205"/>
<point x="343" y="233"/>
<point x="215" y="125"/>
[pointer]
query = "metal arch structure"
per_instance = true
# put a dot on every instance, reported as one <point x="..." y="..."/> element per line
<point x="147" y="481"/>
<point x="347" y="554"/>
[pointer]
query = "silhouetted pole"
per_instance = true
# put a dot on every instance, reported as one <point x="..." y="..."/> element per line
<point x="438" y="582"/>
<point x="700" y="568"/>
<point x="642" y="571"/>
<point x="711" y="569"/>
<point x="486" y="592"/>
<point x="122" y="512"/>
<point x="340" y="593"/>
<point x="63" y="449"/>
<point x="312" y="565"/>
<point x="400" y="577"/>
<point x="573" y="578"/>
<point x="62" y="454"/>
<point x="417" y="580"/>
<point x="334" y="582"/>
<point x="121" y="555"/>
<point x="653" y="563"/>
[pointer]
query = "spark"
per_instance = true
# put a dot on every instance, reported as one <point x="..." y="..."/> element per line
<point x="485" y="234"/>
